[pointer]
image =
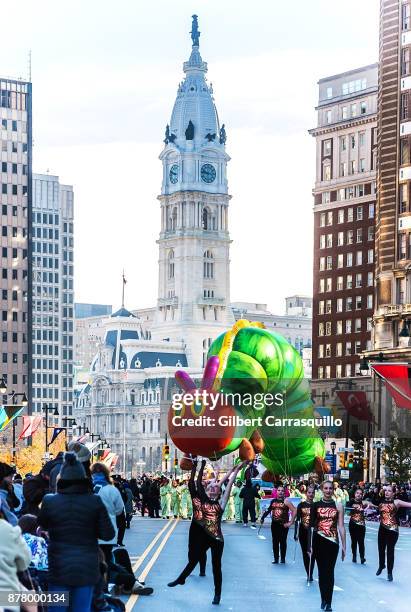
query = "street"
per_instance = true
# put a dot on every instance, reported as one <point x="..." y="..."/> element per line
<point x="159" y="551"/>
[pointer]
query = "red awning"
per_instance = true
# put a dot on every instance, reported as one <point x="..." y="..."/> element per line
<point x="397" y="380"/>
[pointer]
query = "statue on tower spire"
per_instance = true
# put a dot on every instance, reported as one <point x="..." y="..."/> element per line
<point x="195" y="33"/>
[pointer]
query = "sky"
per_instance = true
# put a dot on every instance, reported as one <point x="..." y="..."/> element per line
<point x="105" y="78"/>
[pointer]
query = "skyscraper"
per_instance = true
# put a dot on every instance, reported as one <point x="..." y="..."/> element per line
<point x="15" y="262"/>
<point x="53" y="295"/>
<point x="344" y="209"/>
<point x="393" y="221"/>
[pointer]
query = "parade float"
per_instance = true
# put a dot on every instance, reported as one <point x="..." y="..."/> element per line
<point x="253" y="398"/>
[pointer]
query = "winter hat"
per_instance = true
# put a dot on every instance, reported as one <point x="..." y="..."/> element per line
<point x="71" y="469"/>
<point x="5" y="470"/>
<point x="82" y="452"/>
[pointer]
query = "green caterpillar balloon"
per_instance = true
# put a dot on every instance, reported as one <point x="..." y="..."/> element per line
<point x="256" y="363"/>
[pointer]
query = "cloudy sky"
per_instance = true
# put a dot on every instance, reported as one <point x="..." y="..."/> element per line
<point x="104" y="82"/>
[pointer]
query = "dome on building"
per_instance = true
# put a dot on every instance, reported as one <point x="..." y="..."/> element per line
<point x="194" y="114"/>
<point x="123" y="312"/>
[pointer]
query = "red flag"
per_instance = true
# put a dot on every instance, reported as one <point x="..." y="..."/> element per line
<point x="114" y="461"/>
<point x="356" y="404"/>
<point x="397" y="381"/>
<point x="30" y="425"/>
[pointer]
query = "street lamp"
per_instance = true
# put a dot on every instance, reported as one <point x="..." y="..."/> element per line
<point x="47" y="409"/>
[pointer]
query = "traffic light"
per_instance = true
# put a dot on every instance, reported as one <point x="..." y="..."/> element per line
<point x="341" y="460"/>
<point x="350" y="461"/>
<point x="166" y="451"/>
<point x="175" y="462"/>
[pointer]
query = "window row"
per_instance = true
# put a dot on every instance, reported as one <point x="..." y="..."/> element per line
<point x="15" y="273"/>
<point x="14" y="168"/>
<point x="349" y="326"/>
<point x="346" y="111"/>
<point x="341" y="349"/>
<point x="326" y="263"/>
<point x="13" y="337"/>
<point x="13" y="316"/>
<point x="326" y="284"/>
<point x="340" y="371"/>
<point x="11" y="146"/>
<point x="14" y="358"/>
<point x="357" y="302"/>
<point x="346" y="215"/>
<point x="8" y="189"/>
<point x="350" y="237"/>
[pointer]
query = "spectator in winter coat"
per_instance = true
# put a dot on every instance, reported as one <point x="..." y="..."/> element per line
<point x="128" y="504"/>
<point x="75" y="519"/>
<point x="8" y="499"/>
<point x="34" y="489"/>
<point x="112" y="500"/>
<point x="14" y="557"/>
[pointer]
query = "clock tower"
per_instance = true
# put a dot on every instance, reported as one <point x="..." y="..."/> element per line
<point x="194" y="265"/>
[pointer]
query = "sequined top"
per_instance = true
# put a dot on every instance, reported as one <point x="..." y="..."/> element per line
<point x="388" y="515"/>
<point x="196" y="501"/>
<point x="357" y="513"/>
<point x="324" y="519"/>
<point x="212" y="513"/>
<point x="303" y="513"/>
<point x="279" y="511"/>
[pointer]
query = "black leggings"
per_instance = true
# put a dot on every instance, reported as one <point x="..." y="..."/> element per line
<point x="202" y="541"/>
<point x="357" y="533"/>
<point x="387" y="539"/>
<point x="279" y="535"/>
<point x="249" y="508"/>
<point x="303" y="538"/>
<point x="193" y="536"/>
<point x="325" y="553"/>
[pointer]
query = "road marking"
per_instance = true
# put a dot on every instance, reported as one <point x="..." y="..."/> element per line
<point x="150" y="546"/>
<point x="133" y="598"/>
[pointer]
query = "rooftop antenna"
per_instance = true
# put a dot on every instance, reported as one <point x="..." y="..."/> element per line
<point x="29" y="65"/>
<point x="124" y="284"/>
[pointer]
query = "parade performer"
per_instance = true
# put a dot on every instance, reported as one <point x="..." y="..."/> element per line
<point x="175" y="499"/>
<point x="389" y="529"/>
<point x="185" y="501"/>
<point x="261" y="494"/>
<point x="238" y="502"/>
<point x="279" y="509"/>
<point x="302" y="530"/>
<point x="356" y="526"/>
<point x="327" y="520"/>
<point x="249" y="494"/>
<point x="208" y="506"/>
<point x="165" y="497"/>
<point x="229" y="512"/>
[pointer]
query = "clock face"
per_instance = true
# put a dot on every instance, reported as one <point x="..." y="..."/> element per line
<point x="174" y="174"/>
<point x="208" y="173"/>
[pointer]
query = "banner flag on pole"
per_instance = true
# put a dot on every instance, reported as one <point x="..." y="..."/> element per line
<point x="56" y="432"/>
<point x="8" y="413"/>
<point x="397" y="381"/>
<point x="30" y="425"/>
<point x="356" y="404"/>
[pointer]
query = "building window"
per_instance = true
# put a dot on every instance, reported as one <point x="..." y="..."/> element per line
<point x="353" y="110"/>
<point x="363" y="108"/>
<point x="338" y="349"/>
<point x="322" y="220"/>
<point x="327" y="371"/>
<point x="322" y="241"/>
<point x="327" y="171"/>
<point x="329" y="92"/>
<point x="329" y="241"/>
<point x="322" y="264"/>
<point x="344" y="112"/>
<point x="339" y="328"/>
<point x="358" y="302"/>
<point x="343" y="169"/>
<point x="321" y="329"/>
<point x="340" y="238"/>
<point x="405" y="17"/>
<point x="348" y="304"/>
<point x="371" y="233"/>
<point x="348" y="326"/>
<point x="349" y="260"/>
<point x="403" y="204"/>
<point x="340" y="283"/>
<point x="171" y="264"/>
<point x="343" y="143"/>
<point x="348" y="350"/>
<point x="208" y="265"/>
<point x="328" y="306"/>
<point x="328" y="350"/>
<point x="359" y="258"/>
<point x="370" y="255"/>
<point x="326" y="147"/>
<point x="353" y="166"/>
<point x="348" y="370"/>
<point x="369" y="301"/>
<point x="361" y="167"/>
<point x="359" y="213"/>
<point x="328" y="116"/>
<point x="350" y="214"/>
<point x="341" y="215"/>
<point x="329" y="284"/>
<point x="361" y="139"/>
<point x="328" y="328"/>
<point x="358" y="280"/>
<point x="370" y="279"/>
<point x="329" y="217"/>
<point x="357" y="325"/>
<point x="321" y="307"/>
<point x="320" y="351"/>
<point x="371" y="210"/>
<point x="405" y="61"/>
<point x="352" y="141"/>
<point x="339" y="305"/>
<point x="320" y="372"/>
<point x="359" y="235"/>
<point x="325" y="197"/>
<point x="322" y="285"/>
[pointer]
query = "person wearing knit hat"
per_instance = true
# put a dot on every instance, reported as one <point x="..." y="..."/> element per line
<point x="7" y="496"/>
<point x="75" y="519"/>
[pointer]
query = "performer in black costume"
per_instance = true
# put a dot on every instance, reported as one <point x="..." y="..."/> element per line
<point x="302" y="530"/>
<point x="327" y="519"/>
<point x="389" y="529"/>
<point x="356" y="526"/>
<point x="280" y="523"/>
<point x="210" y="505"/>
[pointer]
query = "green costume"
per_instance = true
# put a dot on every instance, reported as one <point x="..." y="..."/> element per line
<point x="229" y="512"/>
<point x="185" y="501"/>
<point x="238" y="503"/>
<point x="258" y="503"/>
<point x="175" y="501"/>
<point x="165" y="497"/>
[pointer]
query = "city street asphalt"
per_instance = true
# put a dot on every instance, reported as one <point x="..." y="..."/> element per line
<point x="158" y="550"/>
